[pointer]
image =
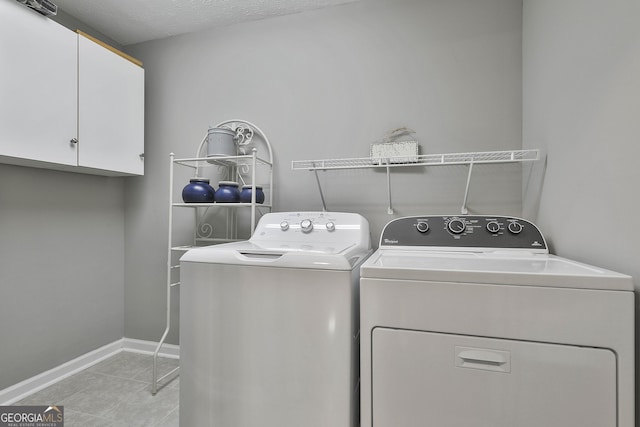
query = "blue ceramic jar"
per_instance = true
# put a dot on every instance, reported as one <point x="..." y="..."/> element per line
<point x="245" y="194"/>
<point x="227" y="192"/>
<point x="198" y="191"/>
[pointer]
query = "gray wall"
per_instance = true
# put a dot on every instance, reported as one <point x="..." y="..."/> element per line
<point x="325" y="84"/>
<point x="582" y="104"/>
<point x="61" y="268"/>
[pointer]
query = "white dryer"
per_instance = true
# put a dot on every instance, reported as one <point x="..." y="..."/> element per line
<point x="470" y="322"/>
<point x="268" y="326"/>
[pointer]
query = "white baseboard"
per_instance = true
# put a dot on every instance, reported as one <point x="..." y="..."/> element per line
<point x="31" y="385"/>
<point x="36" y="383"/>
<point x="149" y="347"/>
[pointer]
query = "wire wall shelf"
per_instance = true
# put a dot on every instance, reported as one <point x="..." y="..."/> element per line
<point x="450" y="159"/>
<point x="510" y="156"/>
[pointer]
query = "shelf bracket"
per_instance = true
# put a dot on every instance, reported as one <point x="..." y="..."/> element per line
<point x="324" y="205"/>
<point x="390" y="208"/>
<point x="464" y="209"/>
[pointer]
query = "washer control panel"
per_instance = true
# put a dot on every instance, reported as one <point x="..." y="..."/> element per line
<point x="308" y="223"/>
<point x="465" y="232"/>
<point x="309" y="227"/>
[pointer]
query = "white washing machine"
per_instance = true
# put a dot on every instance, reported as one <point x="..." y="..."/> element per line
<point x="470" y="322"/>
<point x="269" y="326"/>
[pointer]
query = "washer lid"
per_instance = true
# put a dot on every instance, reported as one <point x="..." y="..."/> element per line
<point x="501" y="268"/>
<point x="281" y="255"/>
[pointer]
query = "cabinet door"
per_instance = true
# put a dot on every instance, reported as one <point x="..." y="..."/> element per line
<point x="111" y="110"/>
<point x="38" y="89"/>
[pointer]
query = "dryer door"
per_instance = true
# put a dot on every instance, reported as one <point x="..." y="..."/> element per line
<point x="434" y="379"/>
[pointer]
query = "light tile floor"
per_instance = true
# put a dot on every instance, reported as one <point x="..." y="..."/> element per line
<point x="115" y="392"/>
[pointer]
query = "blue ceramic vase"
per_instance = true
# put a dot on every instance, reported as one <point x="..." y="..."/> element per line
<point x="245" y="194"/>
<point x="198" y="191"/>
<point x="227" y="192"/>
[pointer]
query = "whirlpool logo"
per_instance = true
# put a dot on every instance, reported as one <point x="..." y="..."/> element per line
<point x="31" y="416"/>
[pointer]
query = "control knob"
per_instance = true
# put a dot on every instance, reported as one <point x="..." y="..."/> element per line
<point x="331" y="226"/>
<point x="456" y="226"/>
<point x="306" y="226"/>
<point x="515" y="227"/>
<point x="422" y="226"/>
<point x="284" y="226"/>
<point x="493" y="226"/>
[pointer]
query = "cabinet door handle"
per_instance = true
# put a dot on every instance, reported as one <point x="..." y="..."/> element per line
<point x="74" y="140"/>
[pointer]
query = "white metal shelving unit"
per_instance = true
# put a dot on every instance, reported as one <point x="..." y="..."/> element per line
<point x="470" y="159"/>
<point x="243" y="168"/>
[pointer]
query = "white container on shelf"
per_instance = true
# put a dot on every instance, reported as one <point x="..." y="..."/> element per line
<point x="221" y="142"/>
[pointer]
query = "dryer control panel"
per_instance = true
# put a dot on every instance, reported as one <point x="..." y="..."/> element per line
<point x="464" y="233"/>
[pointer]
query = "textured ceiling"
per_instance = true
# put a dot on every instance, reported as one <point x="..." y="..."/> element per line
<point x="134" y="21"/>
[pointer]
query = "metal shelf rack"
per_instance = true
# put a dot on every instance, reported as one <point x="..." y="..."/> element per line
<point x="485" y="157"/>
<point x="242" y="168"/>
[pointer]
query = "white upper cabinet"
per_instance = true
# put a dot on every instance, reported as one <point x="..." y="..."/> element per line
<point x="66" y="102"/>
<point x="38" y="87"/>
<point x="110" y="110"/>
